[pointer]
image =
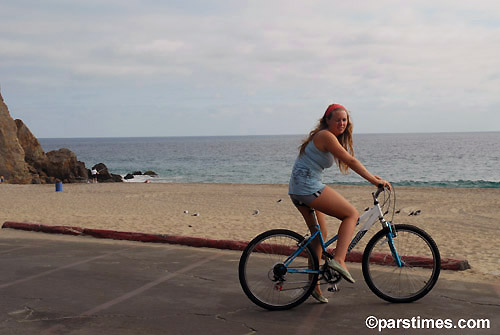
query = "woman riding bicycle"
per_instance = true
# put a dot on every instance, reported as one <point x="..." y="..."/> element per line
<point x="330" y="140"/>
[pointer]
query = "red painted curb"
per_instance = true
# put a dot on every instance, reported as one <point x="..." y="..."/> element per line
<point x="354" y="256"/>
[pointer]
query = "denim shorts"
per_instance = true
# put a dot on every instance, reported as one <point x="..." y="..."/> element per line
<point x="304" y="200"/>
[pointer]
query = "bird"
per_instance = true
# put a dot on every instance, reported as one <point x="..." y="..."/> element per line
<point x="415" y="213"/>
<point x="279" y="200"/>
<point x="186" y="212"/>
<point x="196" y="214"/>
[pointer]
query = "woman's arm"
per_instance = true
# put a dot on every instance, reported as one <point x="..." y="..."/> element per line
<point x="327" y="141"/>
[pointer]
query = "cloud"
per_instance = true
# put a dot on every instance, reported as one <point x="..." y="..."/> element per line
<point x="382" y="58"/>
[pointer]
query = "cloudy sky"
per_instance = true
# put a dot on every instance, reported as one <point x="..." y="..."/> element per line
<point x="98" y="68"/>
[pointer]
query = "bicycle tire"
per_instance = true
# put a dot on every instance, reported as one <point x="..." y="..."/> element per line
<point x="258" y="277"/>
<point x="420" y="270"/>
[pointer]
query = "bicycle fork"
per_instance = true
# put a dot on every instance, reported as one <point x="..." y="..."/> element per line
<point x="390" y="239"/>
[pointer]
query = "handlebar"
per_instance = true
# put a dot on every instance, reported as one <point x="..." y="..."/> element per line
<point x="380" y="189"/>
<point x="387" y="199"/>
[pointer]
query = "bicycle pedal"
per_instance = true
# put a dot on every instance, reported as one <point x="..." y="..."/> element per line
<point x="333" y="288"/>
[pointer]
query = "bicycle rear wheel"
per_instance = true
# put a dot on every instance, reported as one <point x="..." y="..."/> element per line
<point x="420" y="268"/>
<point x="264" y="277"/>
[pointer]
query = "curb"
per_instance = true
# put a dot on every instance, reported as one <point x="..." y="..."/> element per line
<point x="354" y="256"/>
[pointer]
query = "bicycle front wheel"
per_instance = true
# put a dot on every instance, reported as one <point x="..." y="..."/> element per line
<point x="267" y="280"/>
<point x="419" y="270"/>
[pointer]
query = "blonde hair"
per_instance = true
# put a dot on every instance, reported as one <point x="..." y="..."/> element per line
<point x="345" y="139"/>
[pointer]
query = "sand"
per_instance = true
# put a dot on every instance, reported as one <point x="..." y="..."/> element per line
<point x="463" y="222"/>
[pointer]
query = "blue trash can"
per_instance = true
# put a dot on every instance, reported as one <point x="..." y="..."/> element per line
<point x="59" y="186"/>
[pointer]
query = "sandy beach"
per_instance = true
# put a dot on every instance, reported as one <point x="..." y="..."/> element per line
<point x="463" y="222"/>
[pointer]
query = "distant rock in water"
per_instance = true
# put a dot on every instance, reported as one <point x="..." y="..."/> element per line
<point x="139" y="173"/>
<point x="104" y="176"/>
<point x="151" y="173"/>
<point x="23" y="161"/>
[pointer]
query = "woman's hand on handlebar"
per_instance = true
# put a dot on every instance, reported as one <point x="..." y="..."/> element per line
<point x="382" y="183"/>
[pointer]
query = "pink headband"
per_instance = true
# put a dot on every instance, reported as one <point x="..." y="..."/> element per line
<point x="331" y="108"/>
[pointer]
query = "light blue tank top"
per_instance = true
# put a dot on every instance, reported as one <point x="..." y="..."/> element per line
<point x="308" y="169"/>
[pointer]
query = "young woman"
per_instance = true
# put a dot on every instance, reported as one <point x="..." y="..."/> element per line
<point x="330" y="141"/>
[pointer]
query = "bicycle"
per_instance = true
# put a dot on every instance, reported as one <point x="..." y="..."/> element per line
<point x="278" y="269"/>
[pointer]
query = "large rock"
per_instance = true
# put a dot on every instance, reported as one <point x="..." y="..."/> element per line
<point x="46" y="168"/>
<point x="33" y="152"/>
<point x="104" y="175"/>
<point x="62" y="164"/>
<point x="22" y="159"/>
<point x="12" y="158"/>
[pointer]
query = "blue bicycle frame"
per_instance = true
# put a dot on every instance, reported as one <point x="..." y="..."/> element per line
<point x="369" y="218"/>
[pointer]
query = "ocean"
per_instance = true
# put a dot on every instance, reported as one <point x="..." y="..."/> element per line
<point x="435" y="159"/>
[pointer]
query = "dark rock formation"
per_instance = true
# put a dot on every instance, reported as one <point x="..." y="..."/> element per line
<point x="59" y="164"/>
<point x="33" y="152"/>
<point x="23" y="161"/>
<point x="151" y="173"/>
<point x="104" y="175"/>
<point x="12" y="164"/>
<point x="129" y="176"/>
<point x="63" y="164"/>
<point x="34" y="156"/>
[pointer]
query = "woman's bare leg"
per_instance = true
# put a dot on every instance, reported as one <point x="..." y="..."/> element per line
<point x="311" y="224"/>
<point x="333" y="204"/>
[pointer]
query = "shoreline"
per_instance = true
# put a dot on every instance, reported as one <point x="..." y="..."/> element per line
<point x="466" y="184"/>
<point x="462" y="221"/>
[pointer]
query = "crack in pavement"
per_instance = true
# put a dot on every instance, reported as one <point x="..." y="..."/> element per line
<point x="203" y="278"/>
<point x="471" y="302"/>
<point x="226" y="319"/>
<point x="223" y="317"/>
<point x="25" y="315"/>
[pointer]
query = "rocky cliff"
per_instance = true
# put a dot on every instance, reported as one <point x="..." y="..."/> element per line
<point x="12" y="164"/>
<point x="23" y="161"/>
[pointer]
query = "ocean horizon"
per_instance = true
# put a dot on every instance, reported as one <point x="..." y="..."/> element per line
<point x="411" y="159"/>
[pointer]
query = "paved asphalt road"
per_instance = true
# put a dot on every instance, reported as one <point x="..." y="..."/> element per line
<point x="51" y="284"/>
